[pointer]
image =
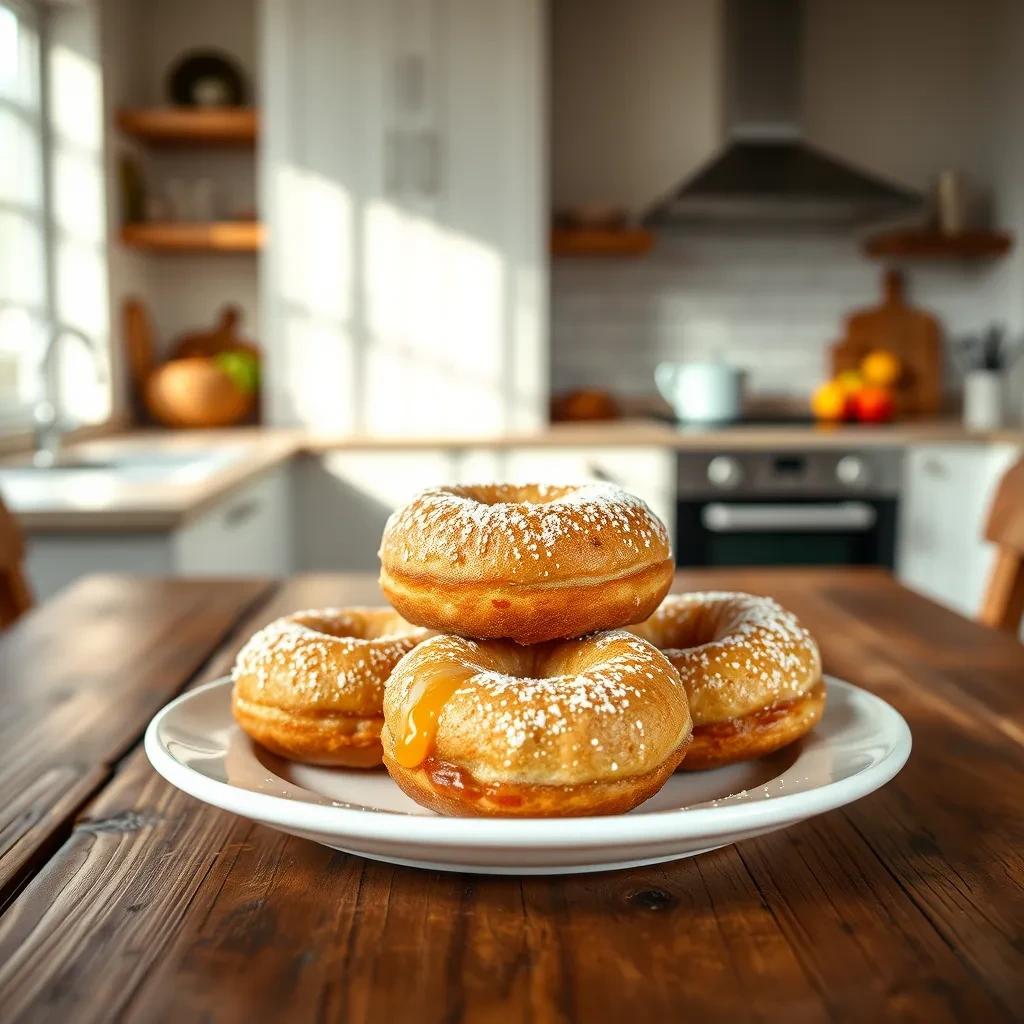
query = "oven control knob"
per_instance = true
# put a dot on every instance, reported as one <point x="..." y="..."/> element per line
<point x="725" y="471"/>
<point x="853" y="471"/>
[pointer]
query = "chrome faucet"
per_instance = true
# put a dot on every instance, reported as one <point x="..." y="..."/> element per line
<point x="48" y="428"/>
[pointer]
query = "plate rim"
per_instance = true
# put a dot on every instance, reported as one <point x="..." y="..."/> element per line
<point x="535" y="833"/>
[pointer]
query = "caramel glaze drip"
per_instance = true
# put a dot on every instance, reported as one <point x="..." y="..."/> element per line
<point x="422" y="708"/>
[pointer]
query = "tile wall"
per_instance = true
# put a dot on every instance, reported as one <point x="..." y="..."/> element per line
<point x="771" y="302"/>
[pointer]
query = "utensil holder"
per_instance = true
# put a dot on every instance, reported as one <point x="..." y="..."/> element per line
<point x="984" y="399"/>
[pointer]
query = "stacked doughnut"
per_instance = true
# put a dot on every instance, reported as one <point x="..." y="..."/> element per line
<point x="530" y="667"/>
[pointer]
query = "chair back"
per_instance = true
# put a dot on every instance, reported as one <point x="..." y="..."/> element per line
<point x="15" y="596"/>
<point x="1003" y="603"/>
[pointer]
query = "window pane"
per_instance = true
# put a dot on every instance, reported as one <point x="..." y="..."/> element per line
<point x="22" y="269"/>
<point x="21" y="347"/>
<point x="19" y="60"/>
<point x="21" y="174"/>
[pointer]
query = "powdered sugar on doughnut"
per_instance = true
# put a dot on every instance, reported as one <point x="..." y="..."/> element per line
<point x="735" y="652"/>
<point x="529" y="527"/>
<point x="324" y="650"/>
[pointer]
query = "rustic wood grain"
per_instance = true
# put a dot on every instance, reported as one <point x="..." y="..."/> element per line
<point x="80" y="678"/>
<point x="904" y="906"/>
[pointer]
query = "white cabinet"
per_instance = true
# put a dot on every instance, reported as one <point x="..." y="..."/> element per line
<point x="246" y="533"/>
<point x="946" y="494"/>
<point x="404" y="183"/>
<point x="343" y="499"/>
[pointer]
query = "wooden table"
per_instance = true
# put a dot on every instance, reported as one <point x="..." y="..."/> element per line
<point x="124" y="899"/>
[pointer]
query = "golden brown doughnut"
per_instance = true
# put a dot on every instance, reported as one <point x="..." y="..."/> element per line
<point x="527" y="563"/>
<point x="573" y="727"/>
<point x="310" y="686"/>
<point x="751" y="671"/>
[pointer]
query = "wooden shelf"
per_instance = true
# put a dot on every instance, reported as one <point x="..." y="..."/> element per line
<point x="216" y="236"/>
<point x="624" y="242"/>
<point x="928" y="244"/>
<point x="188" y="126"/>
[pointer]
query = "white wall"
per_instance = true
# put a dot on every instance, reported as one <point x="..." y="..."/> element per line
<point x="636" y="97"/>
<point x="902" y="89"/>
<point x="405" y="287"/>
<point x="899" y="88"/>
<point x="771" y="302"/>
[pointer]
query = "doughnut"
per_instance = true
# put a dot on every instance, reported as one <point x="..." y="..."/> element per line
<point x="751" y="671"/>
<point x="310" y="686"/>
<point x="568" y="728"/>
<point x="527" y="563"/>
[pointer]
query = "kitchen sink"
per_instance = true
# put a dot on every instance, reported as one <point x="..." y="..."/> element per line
<point x="141" y="465"/>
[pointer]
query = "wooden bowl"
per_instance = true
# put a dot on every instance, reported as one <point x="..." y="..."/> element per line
<point x="196" y="392"/>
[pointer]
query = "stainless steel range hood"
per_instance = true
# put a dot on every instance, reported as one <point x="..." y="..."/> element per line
<point x="767" y="172"/>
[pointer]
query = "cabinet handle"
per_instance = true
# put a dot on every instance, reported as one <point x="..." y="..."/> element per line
<point x="599" y="473"/>
<point x="238" y="514"/>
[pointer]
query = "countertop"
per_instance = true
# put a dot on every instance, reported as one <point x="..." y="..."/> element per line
<point x="123" y="899"/>
<point x="105" y="501"/>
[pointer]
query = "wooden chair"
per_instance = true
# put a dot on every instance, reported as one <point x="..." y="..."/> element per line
<point x="1003" y="603"/>
<point x="15" y="596"/>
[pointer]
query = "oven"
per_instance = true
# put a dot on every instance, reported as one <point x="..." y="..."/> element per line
<point x="833" y="507"/>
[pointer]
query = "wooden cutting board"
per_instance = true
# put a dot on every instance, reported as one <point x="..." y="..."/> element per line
<point x="139" y="349"/>
<point x="224" y="337"/>
<point x="912" y="335"/>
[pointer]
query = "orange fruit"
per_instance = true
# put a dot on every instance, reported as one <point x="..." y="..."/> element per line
<point x="873" y="405"/>
<point x="880" y="368"/>
<point x="830" y="401"/>
<point x="850" y="381"/>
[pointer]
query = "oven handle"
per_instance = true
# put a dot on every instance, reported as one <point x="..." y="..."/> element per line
<point x="719" y="517"/>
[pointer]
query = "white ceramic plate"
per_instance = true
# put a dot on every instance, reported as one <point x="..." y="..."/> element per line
<point x="859" y="745"/>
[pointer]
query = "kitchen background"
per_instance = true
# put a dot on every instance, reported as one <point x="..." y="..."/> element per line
<point x="433" y="219"/>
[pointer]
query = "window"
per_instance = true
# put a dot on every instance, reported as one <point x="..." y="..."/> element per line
<point x="52" y="225"/>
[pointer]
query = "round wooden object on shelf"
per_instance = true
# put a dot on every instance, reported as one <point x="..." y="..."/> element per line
<point x="196" y="392"/>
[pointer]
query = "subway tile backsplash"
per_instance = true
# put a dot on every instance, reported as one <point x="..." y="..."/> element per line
<point x="771" y="303"/>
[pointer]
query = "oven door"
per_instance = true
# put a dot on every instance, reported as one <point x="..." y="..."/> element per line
<point x="808" y="531"/>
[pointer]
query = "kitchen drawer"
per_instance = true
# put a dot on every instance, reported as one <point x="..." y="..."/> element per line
<point x="249" y="533"/>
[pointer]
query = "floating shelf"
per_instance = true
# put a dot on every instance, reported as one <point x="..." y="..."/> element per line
<point x="216" y="236"/>
<point x="926" y="244"/>
<point x="624" y="242"/>
<point x="185" y="126"/>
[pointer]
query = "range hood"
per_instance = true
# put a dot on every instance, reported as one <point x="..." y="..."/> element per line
<point x="767" y="172"/>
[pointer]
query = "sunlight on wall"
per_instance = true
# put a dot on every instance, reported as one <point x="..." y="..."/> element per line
<point x="316" y="382"/>
<point x="315" y="243"/>
<point x="433" y="327"/>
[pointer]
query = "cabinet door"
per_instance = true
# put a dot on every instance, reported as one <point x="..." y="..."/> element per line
<point x="946" y="495"/>
<point x="249" y="533"/>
